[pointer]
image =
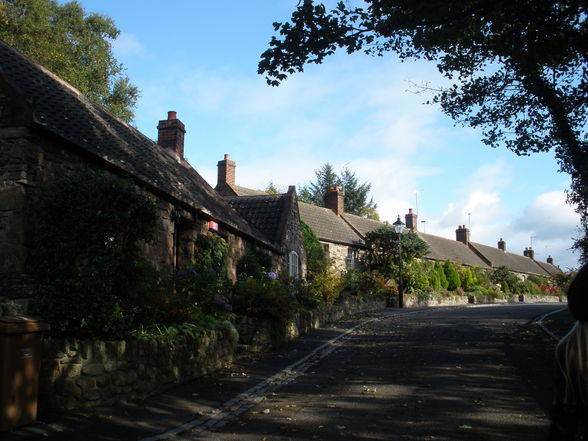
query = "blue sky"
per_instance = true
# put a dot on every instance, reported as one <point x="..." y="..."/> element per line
<point x="200" y="59"/>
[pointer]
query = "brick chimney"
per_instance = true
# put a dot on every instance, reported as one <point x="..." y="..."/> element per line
<point x="529" y="252"/>
<point x="550" y="260"/>
<point x="410" y="220"/>
<point x="170" y="135"/>
<point x="226" y="172"/>
<point x="502" y="244"/>
<point x="335" y="200"/>
<point x="462" y="234"/>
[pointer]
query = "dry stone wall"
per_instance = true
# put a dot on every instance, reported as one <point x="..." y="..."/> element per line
<point x="257" y="335"/>
<point x="82" y="374"/>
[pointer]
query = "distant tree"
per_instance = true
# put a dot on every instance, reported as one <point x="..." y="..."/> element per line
<point x="434" y="279"/>
<point x="467" y="279"/>
<point x="74" y="45"/>
<point x="519" y="68"/>
<point x="453" y="280"/>
<point x="314" y="192"/>
<point x="441" y="274"/>
<point x="271" y="188"/>
<point x="356" y="194"/>
<point x="382" y="250"/>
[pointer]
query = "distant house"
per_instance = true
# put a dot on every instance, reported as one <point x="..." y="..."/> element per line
<point x="461" y="250"/>
<point x="343" y="234"/>
<point x="49" y="129"/>
<point x="275" y="216"/>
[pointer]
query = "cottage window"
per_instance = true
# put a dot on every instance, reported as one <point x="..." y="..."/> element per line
<point x="293" y="264"/>
<point x="351" y="258"/>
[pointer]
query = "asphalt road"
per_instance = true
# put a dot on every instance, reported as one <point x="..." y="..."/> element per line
<point x="462" y="373"/>
<point x="444" y="374"/>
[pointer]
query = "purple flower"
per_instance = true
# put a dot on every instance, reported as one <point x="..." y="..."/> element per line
<point x="211" y="271"/>
<point x="272" y="276"/>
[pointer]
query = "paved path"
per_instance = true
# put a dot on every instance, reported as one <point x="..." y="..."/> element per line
<point x="479" y="373"/>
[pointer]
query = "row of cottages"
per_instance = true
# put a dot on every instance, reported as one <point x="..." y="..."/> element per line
<point x="342" y="234"/>
<point x="49" y="129"/>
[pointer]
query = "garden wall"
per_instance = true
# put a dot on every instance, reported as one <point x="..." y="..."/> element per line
<point x="84" y="374"/>
<point x="411" y="301"/>
<point x="258" y="335"/>
<point x="81" y="374"/>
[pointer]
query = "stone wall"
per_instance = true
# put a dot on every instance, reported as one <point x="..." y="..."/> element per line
<point x="82" y="374"/>
<point x="411" y="301"/>
<point x="292" y="239"/>
<point x="259" y="335"/>
<point x="339" y="255"/>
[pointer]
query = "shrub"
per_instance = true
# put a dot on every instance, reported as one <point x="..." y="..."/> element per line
<point x="316" y="260"/>
<point x="351" y="283"/>
<point x="203" y="289"/>
<point x="453" y="281"/>
<point x="467" y="280"/>
<point x="254" y="263"/>
<point x="265" y="299"/>
<point x="211" y="251"/>
<point x="374" y="284"/>
<point x="321" y="290"/>
<point x="441" y="274"/>
<point x="86" y="254"/>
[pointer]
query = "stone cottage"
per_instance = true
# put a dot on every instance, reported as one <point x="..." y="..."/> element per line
<point x="461" y="250"/>
<point x="275" y="216"/>
<point x="48" y="129"/>
<point x="342" y="235"/>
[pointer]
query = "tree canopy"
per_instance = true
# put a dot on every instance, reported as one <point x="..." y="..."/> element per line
<point x="382" y="254"/>
<point x="519" y="67"/>
<point x="356" y="194"/>
<point x="74" y="45"/>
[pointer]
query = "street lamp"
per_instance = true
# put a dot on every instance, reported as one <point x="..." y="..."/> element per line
<point x="399" y="228"/>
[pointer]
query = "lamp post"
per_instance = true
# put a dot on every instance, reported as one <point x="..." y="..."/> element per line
<point x="399" y="229"/>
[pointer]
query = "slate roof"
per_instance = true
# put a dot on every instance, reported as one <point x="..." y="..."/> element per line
<point x="440" y="247"/>
<point x="514" y="262"/>
<point x="361" y="224"/>
<point x="443" y="249"/>
<point x="264" y="212"/>
<point x="548" y="267"/>
<point x="242" y="191"/>
<point x="328" y="226"/>
<point x="61" y="109"/>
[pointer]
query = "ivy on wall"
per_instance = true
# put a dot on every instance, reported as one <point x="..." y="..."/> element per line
<point x="86" y="229"/>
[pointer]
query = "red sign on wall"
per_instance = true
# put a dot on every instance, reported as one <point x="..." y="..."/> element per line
<point x="212" y="226"/>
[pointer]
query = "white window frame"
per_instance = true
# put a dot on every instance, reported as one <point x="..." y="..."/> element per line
<point x="293" y="264"/>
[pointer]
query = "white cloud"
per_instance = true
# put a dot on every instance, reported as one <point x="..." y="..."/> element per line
<point x="127" y="45"/>
<point x="548" y="219"/>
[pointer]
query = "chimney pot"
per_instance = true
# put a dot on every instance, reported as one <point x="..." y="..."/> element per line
<point x="410" y="219"/>
<point x="334" y="200"/>
<point x="226" y="174"/>
<point x="502" y="244"/>
<point x="462" y="234"/>
<point x="170" y="135"/>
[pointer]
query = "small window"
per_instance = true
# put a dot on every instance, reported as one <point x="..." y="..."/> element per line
<point x="293" y="264"/>
<point x="351" y="258"/>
